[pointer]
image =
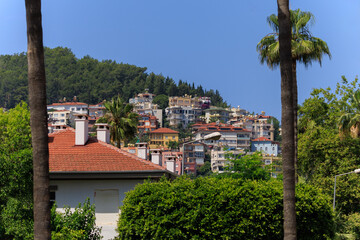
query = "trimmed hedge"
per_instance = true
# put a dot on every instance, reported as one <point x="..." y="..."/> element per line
<point x="210" y="208"/>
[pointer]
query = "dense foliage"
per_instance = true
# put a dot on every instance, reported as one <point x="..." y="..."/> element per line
<point x="16" y="173"/>
<point x="77" y="224"/>
<point x="211" y="208"/>
<point x="88" y="79"/>
<point x="324" y="151"/>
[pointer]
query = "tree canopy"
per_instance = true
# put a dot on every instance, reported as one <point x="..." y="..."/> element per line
<point x="89" y="79"/>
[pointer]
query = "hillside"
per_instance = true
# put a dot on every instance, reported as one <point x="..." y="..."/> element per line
<point x="88" y="79"/>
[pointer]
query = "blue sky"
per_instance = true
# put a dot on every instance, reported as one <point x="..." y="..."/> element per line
<point x="209" y="42"/>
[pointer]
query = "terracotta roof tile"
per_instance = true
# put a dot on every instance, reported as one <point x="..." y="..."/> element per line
<point x="65" y="156"/>
<point x="164" y="130"/>
<point x="261" y="139"/>
<point x="68" y="103"/>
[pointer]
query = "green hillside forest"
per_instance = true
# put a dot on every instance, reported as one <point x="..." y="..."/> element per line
<point x="88" y="79"/>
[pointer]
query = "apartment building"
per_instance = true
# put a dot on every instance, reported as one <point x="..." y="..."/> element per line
<point x="185" y="101"/>
<point x="183" y="110"/>
<point x="234" y="137"/>
<point x="220" y="158"/>
<point x="142" y="97"/>
<point x="217" y="114"/>
<point x="75" y="107"/>
<point x="147" y="123"/>
<point x="259" y="125"/>
<point x="194" y="155"/>
<point x="182" y="115"/>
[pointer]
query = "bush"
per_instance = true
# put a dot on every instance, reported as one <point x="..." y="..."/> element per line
<point x="78" y="224"/>
<point x="211" y="208"/>
<point x="353" y="224"/>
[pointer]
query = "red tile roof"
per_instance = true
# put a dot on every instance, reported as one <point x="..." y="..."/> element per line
<point x="68" y="103"/>
<point x="95" y="156"/>
<point x="264" y="139"/>
<point x="164" y="130"/>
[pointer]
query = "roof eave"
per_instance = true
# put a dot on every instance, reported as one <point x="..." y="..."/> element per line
<point x="98" y="175"/>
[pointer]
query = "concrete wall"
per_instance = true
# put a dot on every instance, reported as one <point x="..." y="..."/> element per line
<point x="71" y="192"/>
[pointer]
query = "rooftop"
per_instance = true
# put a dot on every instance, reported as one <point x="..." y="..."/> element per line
<point x="94" y="156"/>
<point x="164" y="130"/>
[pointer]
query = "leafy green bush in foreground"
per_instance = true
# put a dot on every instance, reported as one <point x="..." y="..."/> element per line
<point x="210" y="208"/>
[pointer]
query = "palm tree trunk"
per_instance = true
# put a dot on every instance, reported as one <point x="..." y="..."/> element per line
<point x="287" y="119"/>
<point x="38" y="120"/>
<point x="295" y="96"/>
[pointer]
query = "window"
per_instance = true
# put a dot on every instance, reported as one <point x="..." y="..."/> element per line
<point x="52" y="195"/>
<point x="63" y="115"/>
<point x="173" y="137"/>
<point x="78" y="109"/>
<point x="55" y="115"/>
<point x="166" y="137"/>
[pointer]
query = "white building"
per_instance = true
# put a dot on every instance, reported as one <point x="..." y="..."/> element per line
<point x="76" y="107"/>
<point x="265" y="146"/>
<point x="220" y="158"/>
<point x="217" y="114"/>
<point x="233" y="137"/>
<point x="182" y="115"/>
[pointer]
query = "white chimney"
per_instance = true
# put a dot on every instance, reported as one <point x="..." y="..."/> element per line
<point x="170" y="163"/>
<point x="81" y="129"/>
<point x="156" y="156"/>
<point x="103" y="132"/>
<point x="142" y="150"/>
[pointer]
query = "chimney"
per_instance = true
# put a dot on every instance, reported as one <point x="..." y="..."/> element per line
<point x="170" y="163"/>
<point x="156" y="156"/>
<point x="81" y="129"/>
<point x="103" y="132"/>
<point x="142" y="150"/>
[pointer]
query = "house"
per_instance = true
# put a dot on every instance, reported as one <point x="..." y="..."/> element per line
<point x="265" y="146"/>
<point x="162" y="136"/>
<point x="84" y="167"/>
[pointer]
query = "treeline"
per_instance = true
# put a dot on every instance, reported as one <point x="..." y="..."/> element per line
<point x="88" y="79"/>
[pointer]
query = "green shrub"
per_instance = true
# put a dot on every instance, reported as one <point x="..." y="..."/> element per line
<point x="353" y="224"/>
<point x="211" y="208"/>
<point x="77" y="224"/>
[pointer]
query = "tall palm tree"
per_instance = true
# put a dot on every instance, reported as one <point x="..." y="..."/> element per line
<point x="287" y="119"/>
<point x="38" y="119"/>
<point x="305" y="49"/>
<point x="122" y="119"/>
<point x="349" y="122"/>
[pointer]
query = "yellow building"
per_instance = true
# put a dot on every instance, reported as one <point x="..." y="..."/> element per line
<point x="185" y="101"/>
<point x="161" y="136"/>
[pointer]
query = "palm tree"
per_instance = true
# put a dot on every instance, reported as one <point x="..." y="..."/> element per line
<point x="349" y="122"/>
<point x="122" y="119"/>
<point x="304" y="49"/>
<point x="38" y="120"/>
<point x="287" y="119"/>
